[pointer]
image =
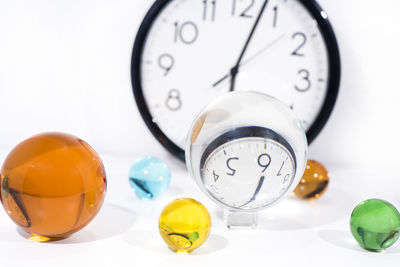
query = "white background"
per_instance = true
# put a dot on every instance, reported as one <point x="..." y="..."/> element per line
<point x="65" y="66"/>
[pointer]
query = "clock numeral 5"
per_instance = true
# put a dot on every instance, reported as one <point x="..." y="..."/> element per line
<point x="166" y="62"/>
<point x="213" y="9"/>
<point x="173" y="101"/>
<point x="233" y="171"/>
<point x="186" y="32"/>
<point x="245" y="12"/>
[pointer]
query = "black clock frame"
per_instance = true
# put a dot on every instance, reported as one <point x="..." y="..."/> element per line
<point x="327" y="107"/>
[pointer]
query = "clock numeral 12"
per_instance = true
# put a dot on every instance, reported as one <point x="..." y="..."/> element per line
<point x="213" y="9"/>
<point x="244" y="13"/>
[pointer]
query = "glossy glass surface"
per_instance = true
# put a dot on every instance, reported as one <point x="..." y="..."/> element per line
<point x="314" y="182"/>
<point x="184" y="225"/>
<point x="375" y="224"/>
<point x="149" y="177"/>
<point x="52" y="185"/>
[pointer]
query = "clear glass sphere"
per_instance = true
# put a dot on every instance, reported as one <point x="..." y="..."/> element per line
<point x="246" y="150"/>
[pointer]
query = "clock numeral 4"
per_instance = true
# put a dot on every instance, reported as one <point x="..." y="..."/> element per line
<point x="173" y="101"/>
<point x="186" y="32"/>
<point x="216" y="176"/>
<point x="207" y="4"/>
<point x="245" y="12"/>
<point x="166" y="62"/>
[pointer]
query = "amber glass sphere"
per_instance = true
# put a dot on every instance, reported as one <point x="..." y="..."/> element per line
<point x="314" y="182"/>
<point x="52" y="185"/>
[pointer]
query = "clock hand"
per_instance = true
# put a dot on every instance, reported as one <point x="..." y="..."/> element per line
<point x="234" y="71"/>
<point x="255" y="55"/>
<point x="260" y="183"/>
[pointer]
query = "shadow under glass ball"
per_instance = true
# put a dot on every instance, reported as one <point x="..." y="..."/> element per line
<point x="52" y="185"/>
<point x="375" y="224"/>
<point x="314" y="182"/>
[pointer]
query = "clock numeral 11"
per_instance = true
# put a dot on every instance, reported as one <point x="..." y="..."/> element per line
<point x="207" y="3"/>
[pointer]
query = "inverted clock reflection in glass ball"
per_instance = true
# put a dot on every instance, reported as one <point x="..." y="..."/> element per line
<point x="52" y="185"/>
<point x="246" y="150"/>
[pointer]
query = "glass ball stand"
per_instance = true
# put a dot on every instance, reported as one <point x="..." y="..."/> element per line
<point x="246" y="151"/>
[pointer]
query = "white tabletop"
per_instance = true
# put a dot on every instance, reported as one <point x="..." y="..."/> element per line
<point x="297" y="232"/>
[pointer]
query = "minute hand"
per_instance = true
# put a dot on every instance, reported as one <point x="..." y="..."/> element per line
<point x="235" y="69"/>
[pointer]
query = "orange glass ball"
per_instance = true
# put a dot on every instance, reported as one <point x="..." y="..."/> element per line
<point x="52" y="185"/>
<point x="314" y="182"/>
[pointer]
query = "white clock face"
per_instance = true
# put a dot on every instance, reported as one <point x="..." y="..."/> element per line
<point x="193" y="46"/>
<point x="249" y="173"/>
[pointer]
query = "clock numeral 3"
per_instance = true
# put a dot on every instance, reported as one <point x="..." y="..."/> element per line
<point x="166" y="62"/>
<point x="306" y="78"/>
<point x="186" y="33"/>
<point x="213" y="9"/>
<point x="264" y="160"/>
<point x="244" y="13"/>
<point x="173" y="101"/>
<point x="303" y="38"/>
<point x="233" y="171"/>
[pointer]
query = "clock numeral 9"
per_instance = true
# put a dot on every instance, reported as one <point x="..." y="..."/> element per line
<point x="303" y="38"/>
<point x="173" y="101"/>
<point x="166" y="62"/>
<point x="186" y="33"/>
<point x="264" y="160"/>
<point x="244" y="13"/>
<point x="306" y="78"/>
<point x="213" y="9"/>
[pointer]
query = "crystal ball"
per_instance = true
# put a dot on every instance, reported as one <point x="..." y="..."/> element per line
<point x="314" y="182"/>
<point x="184" y="225"/>
<point x="52" y="185"/>
<point x="375" y="224"/>
<point x="149" y="177"/>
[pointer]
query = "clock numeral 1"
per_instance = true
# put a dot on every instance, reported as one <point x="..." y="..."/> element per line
<point x="275" y="9"/>
<point x="233" y="171"/>
<point x="213" y="9"/>
<point x="186" y="32"/>
<point x="166" y="62"/>
<point x="173" y="101"/>
<point x="264" y="160"/>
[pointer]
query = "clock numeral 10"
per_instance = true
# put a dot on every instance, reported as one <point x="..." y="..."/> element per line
<point x="186" y="32"/>
<point x="173" y="101"/>
<point x="207" y="3"/>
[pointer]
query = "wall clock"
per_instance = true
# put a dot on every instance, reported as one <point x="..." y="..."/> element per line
<point x="188" y="52"/>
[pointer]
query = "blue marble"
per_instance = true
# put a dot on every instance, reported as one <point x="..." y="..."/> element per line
<point x="149" y="177"/>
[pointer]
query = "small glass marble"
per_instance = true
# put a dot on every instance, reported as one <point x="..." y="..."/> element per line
<point x="314" y="182"/>
<point x="184" y="225"/>
<point x="149" y="177"/>
<point x="375" y="224"/>
<point x="52" y="185"/>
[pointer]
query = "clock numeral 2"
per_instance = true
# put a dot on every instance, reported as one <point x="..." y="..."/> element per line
<point x="186" y="32"/>
<point x="303" y="38"/>
<point x="233" y="171"/>
<point x="213" y="9"/>
<point x="173" y="101"/>
<point x="244" y="13"/>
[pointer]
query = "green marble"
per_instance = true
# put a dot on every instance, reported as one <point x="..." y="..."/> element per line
<point x="375" y="224"/>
